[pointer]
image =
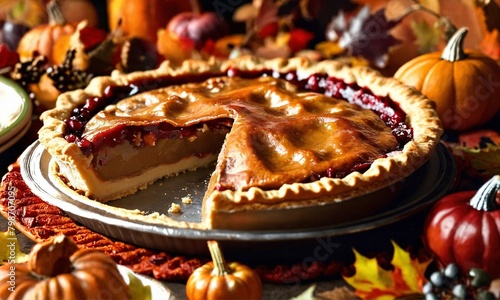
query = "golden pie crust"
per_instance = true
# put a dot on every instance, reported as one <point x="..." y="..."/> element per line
<point x="77" y="171"/>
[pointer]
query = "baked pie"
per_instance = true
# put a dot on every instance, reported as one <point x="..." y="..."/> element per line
<point x="282" y="133"/>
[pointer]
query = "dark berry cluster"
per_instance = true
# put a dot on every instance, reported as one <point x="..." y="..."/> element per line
<point x="65" y="77"/>
<point x="451" y="283"/>
<point x="30" y="71"/>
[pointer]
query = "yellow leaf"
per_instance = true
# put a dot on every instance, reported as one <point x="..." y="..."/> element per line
<point x="373" y="282"/>
<point x="329" y="49"/>
<point x="10" y="252"/>
<point x="412" y="271"/>
<point x="282" y="39"/>
<point x="431" y="5"/>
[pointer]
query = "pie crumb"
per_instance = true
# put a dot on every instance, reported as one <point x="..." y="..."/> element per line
<point x="174" y="208"/>
<point x="187" y="200"/>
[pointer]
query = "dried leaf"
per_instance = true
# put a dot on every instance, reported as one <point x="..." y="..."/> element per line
<point x="486" y="161"/>
<point x="427" y="36"/>
<point x="287" y="7"/>
<point x="365" y="34"/>
<point x="299" y="39"/>
<point x="432" y="5"/>
<point x="337" y="293"/>
<point x="273" y="49"/>
<point x="371" y="3"/>
<point x="491" y="12"/>
<point x="490" y="45"/>
<point x="373" y="282"/>
<point x="10" y="252"/>
<point x="267" y="14"/>
<point x="245" y="12"/>
<point x="329" y="49"/>
<point x="397" y="9"/>
<point x="308" y="294"/>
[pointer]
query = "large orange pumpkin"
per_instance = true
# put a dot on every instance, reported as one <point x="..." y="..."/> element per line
<point x="42" y="38"/>
<point x="465" y="84"/>
<point x="144" y="18"/>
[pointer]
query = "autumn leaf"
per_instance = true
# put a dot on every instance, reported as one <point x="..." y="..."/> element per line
<point x="491" y="13"/>
<point x="487" y="14"/>
<point x="308" y="294"/>
<point x="364" y="34"/>
<point x="299" y="39"/>
<point x="486" y="161"/>
<point x="490" y="45"/>
<point x="427" y="36"/>
<point x="138" y="289"/>
<point x="9" y="250"/>
<point x="373" y="282"/>
<point x="337" y="293"/>
<point x="329" y="49"/>
<point x="267" y="14"/>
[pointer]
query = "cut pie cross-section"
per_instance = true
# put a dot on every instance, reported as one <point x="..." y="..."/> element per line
<point x="325" y="136"/>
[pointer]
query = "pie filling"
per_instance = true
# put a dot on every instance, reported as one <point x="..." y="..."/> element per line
<point x="282" y="128"/>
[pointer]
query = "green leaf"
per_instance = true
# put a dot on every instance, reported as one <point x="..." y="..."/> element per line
<point x="427" y="36"/>
<point x="138" y="290"/>
<point x="308" y="294"/>
<point x="10" y="252"/>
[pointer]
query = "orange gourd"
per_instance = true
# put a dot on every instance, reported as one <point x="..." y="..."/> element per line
<point x="42" y="38"/>
<point x="58" y="269"/>
<point x="465" y="84"/>
<point x="218" y="280"/>
<point x="144" y="18"/>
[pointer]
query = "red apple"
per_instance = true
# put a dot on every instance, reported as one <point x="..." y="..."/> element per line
<point x="197" y="28"/>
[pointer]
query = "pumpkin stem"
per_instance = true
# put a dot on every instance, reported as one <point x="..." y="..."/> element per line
<point x="52" y="258"/>
<point x="485" y="198"/>
<point x="220" y="266"/>
<point x="454" y="49"/>
<point x="55" y="14"/>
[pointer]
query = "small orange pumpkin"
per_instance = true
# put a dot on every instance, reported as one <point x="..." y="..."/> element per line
<point x="58" y="269"/>
<point x="42" y="38"/>
<point x="218" y="280"/>
<point x="465" y="84"/>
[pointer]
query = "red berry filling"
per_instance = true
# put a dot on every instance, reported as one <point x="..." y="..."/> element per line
<point x="387" y="109"/>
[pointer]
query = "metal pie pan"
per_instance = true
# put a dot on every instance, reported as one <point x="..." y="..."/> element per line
<point x="429" y="183"/>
